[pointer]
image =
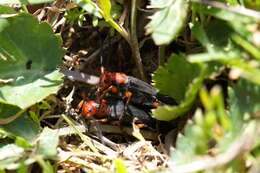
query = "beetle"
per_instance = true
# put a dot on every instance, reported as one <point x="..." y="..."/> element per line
<point x="131" y="88"/>
<point x="114" y="108"/>
<point x="108" y="79"/>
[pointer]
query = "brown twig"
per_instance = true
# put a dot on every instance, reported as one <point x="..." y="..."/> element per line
<point x="108" y="129"/>
<point x="5" y="81"/>
<point x="134" y="40"/>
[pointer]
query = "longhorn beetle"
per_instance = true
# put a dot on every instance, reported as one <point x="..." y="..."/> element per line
<point x="113" y="108"/>
<point x="128" y="97"/>
<point x="135" y="90"/>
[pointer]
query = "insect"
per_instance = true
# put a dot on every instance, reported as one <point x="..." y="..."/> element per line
<point x="133" y="89"/>
<point x="124" y="98"/>
<point x="113" y="108"/>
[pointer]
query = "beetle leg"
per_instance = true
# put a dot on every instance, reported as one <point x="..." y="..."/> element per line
<point x="104" y="120"/>
<point x="80" y="104"/>
<point x="128" y="95"/>
<point x="111" y="88"/>
<point x="121" y="110"/>
<point x="115" y="123"/>
<point x="139" y="124"/>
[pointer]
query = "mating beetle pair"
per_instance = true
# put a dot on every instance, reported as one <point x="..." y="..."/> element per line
<point x="128" y="98"/>
<point x="114" y="109"/>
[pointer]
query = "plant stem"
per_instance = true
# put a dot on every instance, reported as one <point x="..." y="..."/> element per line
<point x="246" y="45"/>
<point x="161" y="55"/>
<point x="25" y="9"/>
<point x="83" y="137"/>
<point x="119" y="29"/>
<point x="134" y="41"/>
<point x="115" y="25"/>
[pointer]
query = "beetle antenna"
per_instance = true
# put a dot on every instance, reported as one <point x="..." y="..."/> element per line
<point x="101" y="43"/>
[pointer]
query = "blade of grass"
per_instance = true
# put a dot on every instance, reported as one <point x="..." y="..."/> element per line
<point x="83" y="137"/>
<point x="246" y="45"/>
<point x="120" y="166"/>
<point x="235" y="9"/>
<point x="46" y="166"/>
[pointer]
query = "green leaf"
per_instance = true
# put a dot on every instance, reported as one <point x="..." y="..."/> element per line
<point x="222" y="50"/>
<point x="180" y="80"/>
<point x="75" y="15"/>
<point x="5" y="163"/>
<point x="105" y="5"/>
<point x="185" y="147"/>
<point x="23" y="127"/>
<point x="160" y="4"/>
<point x="175" y="76"/>
<point x="6" y="10"/>
<point x="209" y="130"/>
<point x="192" y="143"/>
<point x="199" y="33"/>
<point x="30" y="53"/>
<point x="167" y="22"/>
<point x="48" y="143"/>
<point x="6" y="111"/>
<point x="214" y="40"/>
<point x="230" y="37"/>
<point x="244" y="101"/>
<point x="116" y="11"/>
<point x="188" y="148"/>
<point x="227" y="15"/>
<point x="167" y="113"/>
<point x="219" y="39"/>
<point x="21" y="142"/>
<point x="90" y="7"/>
<point x="25" y="2"/>
<point x="230" y="58"/>
<point x="9" y="154"/>
<point x="10" y="150"/>
<point x="233" y="26"/>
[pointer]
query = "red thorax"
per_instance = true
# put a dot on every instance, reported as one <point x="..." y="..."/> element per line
<point x="109" y="78"/>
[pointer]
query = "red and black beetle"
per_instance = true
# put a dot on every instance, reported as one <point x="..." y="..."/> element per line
<point x="114" y="108"/>
<point x="135" y="90"/>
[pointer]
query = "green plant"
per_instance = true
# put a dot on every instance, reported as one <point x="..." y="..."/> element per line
<point x="75" y="16"/>
<point x="29" y="55"/>
<point x="215" y="79"/>
<point x="219" y="130"/>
